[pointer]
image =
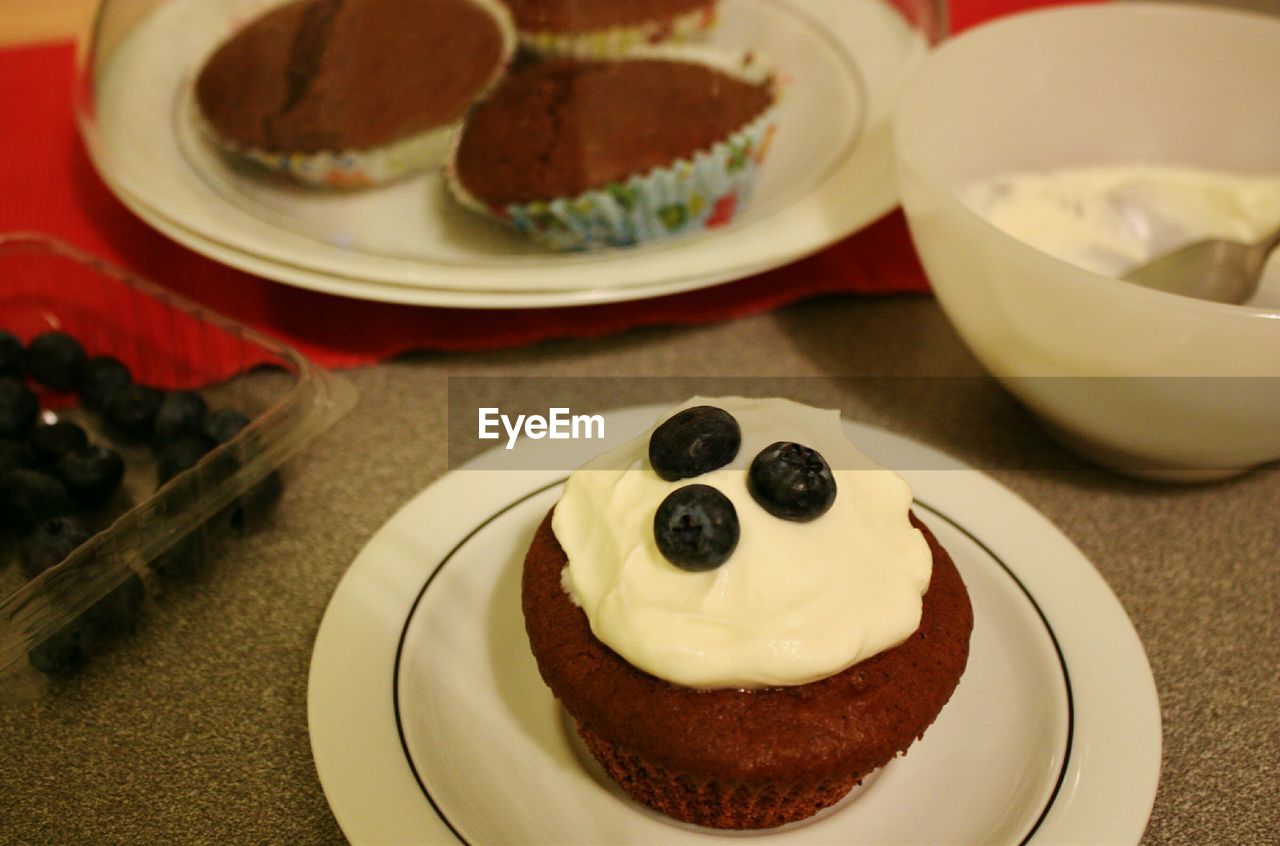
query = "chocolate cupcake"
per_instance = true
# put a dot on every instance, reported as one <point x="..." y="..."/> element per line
<point x="754" y="692"/>
<point x="595" y="29"/>
<point x="582" y="154"/>
<point x="352" y="92"/>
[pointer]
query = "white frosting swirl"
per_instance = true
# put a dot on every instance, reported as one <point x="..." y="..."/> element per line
<point x="796" y="602"/>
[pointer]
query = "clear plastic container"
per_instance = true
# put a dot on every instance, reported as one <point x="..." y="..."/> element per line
<point x="168" y="343"/>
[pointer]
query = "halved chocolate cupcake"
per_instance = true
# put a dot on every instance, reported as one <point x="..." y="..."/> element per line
<point x="353" y="92"/>
<point x="580" y="154"/>
<point x="602" y="29"/>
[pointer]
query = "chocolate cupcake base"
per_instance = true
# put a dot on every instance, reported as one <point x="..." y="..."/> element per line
<point x="699" y="190"/>
<point x="616" y="41"/>
<point x="744" y="759"/>
<point x="344" y="169"/>
<point x="350" y="93"/>
<point x="709" y="802"/>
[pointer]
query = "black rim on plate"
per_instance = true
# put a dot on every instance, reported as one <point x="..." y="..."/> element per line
<point x="426" y="792"/>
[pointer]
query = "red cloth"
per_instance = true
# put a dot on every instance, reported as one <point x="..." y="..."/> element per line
<point x="49" y="186"/>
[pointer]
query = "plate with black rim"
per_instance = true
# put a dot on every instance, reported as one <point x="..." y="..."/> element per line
<point x="429" y="722"/>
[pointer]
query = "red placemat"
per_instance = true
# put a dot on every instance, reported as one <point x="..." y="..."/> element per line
<point x="48" y="185"/>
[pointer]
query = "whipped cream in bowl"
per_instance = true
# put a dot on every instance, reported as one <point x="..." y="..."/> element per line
<point x="1112" y="219"/>
<point x="795" y="602"/>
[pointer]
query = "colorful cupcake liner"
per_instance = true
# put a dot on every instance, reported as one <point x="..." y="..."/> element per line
<point x="350" y="169"/>
<point x="702" y="192"/>
<point x="619" y="41"/>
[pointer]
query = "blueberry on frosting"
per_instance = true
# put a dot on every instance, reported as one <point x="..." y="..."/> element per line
<point x="696" y="528"/>
<point x="792" y="482"/>
<point x="695" y="441"/>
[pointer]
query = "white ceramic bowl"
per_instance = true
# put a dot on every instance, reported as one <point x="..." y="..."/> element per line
<point x="1145" y="382"/>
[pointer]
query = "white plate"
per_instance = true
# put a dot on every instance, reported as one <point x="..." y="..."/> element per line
<point x="429" y="723"/>
<point x="830" y="173"/>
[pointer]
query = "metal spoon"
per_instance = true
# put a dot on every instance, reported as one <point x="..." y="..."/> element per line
<point x="1215" y="270"/>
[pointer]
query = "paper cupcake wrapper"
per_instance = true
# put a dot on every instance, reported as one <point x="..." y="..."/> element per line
<point x="703" y="192"/>
<point x="342" y="169"/>
<point x="619" y="41"/>
<point x="348" y="168"/>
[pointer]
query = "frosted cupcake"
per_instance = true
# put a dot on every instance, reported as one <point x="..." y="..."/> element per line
<point x="742" y="615"/>
<point x="348" y="93"/>
<point x="582" y="154"/>
<point x="596" y="29"/>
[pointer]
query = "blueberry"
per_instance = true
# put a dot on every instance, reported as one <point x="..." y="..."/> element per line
<point x="49" y="543"/>
<point x="224" y="424"/>
<point x="694" y="441"/>
<point x="50" y="441"/>
<point x="90" y="474"/>
<point x="61" y="652"/>
<point x="792" y="482"/>
<point x="14" y="454"/>
<point x="102" y="375"/>
<point x="18" y="408"/>
<point x="180" y="413"/>
<point x="13" y="356"/>
<point x="250" y="509"/>
<point x="56" y="360"/>
<point x="184" y="560"/>
<point x="181" y="453"/>
<point x="29" y="497"/>
<point x="118" y="611"/>
<point x="696" y="528"/>
<point x="132" y="409"/>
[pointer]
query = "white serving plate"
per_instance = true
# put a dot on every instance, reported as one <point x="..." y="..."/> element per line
<point x="429" y="722"/>
<point x="830" y="173"/>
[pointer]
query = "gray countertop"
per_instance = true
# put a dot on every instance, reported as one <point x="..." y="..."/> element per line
<point x="195" y="729"/>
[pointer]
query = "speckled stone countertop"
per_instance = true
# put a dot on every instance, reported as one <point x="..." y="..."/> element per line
<point x="195" y="729"/>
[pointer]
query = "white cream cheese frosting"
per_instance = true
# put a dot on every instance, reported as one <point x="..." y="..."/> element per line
<point x="794" y="603"/>
<point x="1111" y="219"/>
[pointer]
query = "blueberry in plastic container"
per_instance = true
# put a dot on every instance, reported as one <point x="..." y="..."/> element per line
<point x="223" y="424"/>
<point x="102" y="375"/>
<point x="90" y="474"/>
<point x="62" y="652"/>
<point x="254" y="505"/>
<point x="14" y="454"/>
<point x="50" y="441"/>
<point x="49" y="543"/>
<point x="181" y="453"/>
<point x="13" y="356"/>
<point x="180" y="413"/>
<point x="18" y="408"/>
<point x="56" y="360"/>
<point x="132" y="410"/>
<point x="29" y="497"/>
<point x="251" y="508"/>
<point x="119" y="610"/>
<point x="184" y="560"/>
